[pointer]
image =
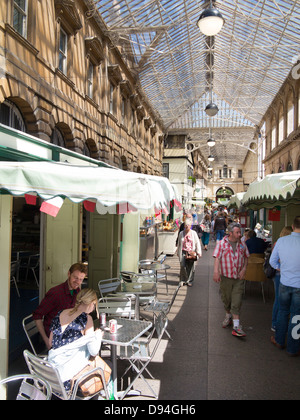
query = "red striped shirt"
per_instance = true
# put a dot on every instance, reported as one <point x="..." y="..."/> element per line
<point x="231" y="263"/>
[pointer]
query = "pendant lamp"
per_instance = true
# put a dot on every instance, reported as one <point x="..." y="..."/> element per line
<point x="210" y="21"/>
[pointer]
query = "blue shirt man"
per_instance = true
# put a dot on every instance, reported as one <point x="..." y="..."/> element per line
<point x="286" y="257"/>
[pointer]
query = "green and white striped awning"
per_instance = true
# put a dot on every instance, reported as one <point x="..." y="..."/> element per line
<point x="274" y="190"/>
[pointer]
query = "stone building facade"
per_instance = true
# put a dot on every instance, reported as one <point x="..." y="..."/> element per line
<point x="63" y="81"/>
<point x="281" y="127"/>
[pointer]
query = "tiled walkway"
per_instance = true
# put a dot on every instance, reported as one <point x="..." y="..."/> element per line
<point x="204" y="361"/>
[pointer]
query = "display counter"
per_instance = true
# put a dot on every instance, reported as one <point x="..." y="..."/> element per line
<point x="167" y="240"/>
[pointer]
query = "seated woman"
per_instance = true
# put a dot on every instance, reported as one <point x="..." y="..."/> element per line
<point x="73" y="339"/>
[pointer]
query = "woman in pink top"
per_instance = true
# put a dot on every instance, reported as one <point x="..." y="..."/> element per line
<point x="188" y="242"/>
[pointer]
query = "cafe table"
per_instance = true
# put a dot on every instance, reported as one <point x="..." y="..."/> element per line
<point x="128" y="331"/>
<point x="137" y="289"/>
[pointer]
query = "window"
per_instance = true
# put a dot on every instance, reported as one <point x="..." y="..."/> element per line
<point x="240" y="173"/>
<point x="273" y="142"/>
<point x="20" y="17"/>
<point x="111" y="99"/>
<point x="11" y="116"/>
<point x="290" y="119"/>
<point x="57" y="138"/>
<point x="298" y="165"/>
<point x="289" y="167"/>
<point x="165" y="170"/>
<point x="281" y="127"/>
<point x="62" y="54"/>
<point x="90" y="78"/>
<point x="225" y="171"/>
<point x="123" y="110"/>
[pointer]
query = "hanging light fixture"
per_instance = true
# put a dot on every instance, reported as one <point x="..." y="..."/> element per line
<point x="211" y="158"/>
<point x="211" y="109"/>
<point x="210" y="168"/>
<point x="210" y="21"/>
<point x="211" y="142"/>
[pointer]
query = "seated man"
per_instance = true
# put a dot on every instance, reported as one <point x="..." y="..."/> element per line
<point x="58" y="298"/>
<point x="255" y="245"/>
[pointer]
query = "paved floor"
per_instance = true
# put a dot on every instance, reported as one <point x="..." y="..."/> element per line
<point x="204" y="361"/>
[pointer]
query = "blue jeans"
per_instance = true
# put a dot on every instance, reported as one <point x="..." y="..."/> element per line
<point x="205" y="238"/>
<point x="220" y="234"/>
<point x="289" y="306"/>
<point x="276" y="281"/>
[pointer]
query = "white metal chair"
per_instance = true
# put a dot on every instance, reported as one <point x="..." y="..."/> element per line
<point x="47" y="371"/>
<point x="32" y="387"/>
<point x="120" y="307"/>
<point x="126" y="275"/>
<point x="149" y="270"/>
<point x="157" y="306"/>
<point x="14" y="268"/>
<point x="141" y="353"/>
<point x="32" y="333"/>
<point x="108" y="286"/>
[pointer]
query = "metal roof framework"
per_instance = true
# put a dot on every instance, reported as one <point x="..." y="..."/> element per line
<point x="243" y="66"/>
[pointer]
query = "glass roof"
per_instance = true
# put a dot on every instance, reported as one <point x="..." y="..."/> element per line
<point x="180" y="69"/>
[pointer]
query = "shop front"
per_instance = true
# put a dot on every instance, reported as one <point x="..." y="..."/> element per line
<point x="275" y="200"/>
<point x="65" y="212"/>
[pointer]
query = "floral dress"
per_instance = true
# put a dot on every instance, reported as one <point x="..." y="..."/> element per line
<point x="71" y="333"/>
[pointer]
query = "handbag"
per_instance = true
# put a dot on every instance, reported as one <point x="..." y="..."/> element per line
<point x="268" y="269"/>
<point x="92" y="384"/>
<point x="191" y="256"/>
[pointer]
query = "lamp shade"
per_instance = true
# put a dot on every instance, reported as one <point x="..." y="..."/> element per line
<point x="211" y="109"/>
<point x="211" y="142"/>
<point x="210" y="168"/>
<point x="210" y="21"/>
<point x="211" y="158"/>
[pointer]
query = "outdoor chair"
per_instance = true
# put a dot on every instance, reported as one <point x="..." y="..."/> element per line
<point x="120" y="307"/>
<point x="141" y="353"/>
<point x="47" y="371"/>
<point x="32" y="387"/>
<point x="126" y="275"/>
<point x="33" y="266"/>
<point x="108" y="286"/>
<point x="14" y="268"/>
<point x="149" y="270"/>
<point x="255" y="272"/>
<point x="34" y="338"/>
<point x="157" y="306"/>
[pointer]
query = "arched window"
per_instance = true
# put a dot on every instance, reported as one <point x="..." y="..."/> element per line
<point x="11" y="116"/>
<point x="290" y="117"/>
<point x="281" y="126"/>
<point x="57" y="138"/>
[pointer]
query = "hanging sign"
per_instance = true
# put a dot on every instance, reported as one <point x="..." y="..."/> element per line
<point x="274" y="214"/>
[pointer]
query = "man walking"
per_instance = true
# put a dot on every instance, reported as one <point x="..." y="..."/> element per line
<point x="231" y="259"/>
<point x="285" y="257"/>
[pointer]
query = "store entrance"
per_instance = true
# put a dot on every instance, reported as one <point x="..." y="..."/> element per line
<point x="25" y="253"/>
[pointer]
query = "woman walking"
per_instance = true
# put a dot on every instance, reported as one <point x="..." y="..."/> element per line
<point x="206" y="228"/>
<point x="189" y="250"/>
